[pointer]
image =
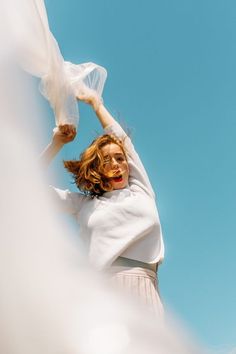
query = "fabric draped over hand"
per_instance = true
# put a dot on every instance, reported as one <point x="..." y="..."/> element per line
<point x="39" y="54"/>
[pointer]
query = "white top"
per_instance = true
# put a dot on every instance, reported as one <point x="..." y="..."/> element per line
<point x="122" y="222"/>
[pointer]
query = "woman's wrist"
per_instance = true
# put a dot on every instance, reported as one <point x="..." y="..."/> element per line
<point x="96" y="104"/>
<point x="56" y="144"/>
<point x="50" y="151"/>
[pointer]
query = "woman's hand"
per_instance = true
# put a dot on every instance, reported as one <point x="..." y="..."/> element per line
<point x="64" y="134"/>
<point x="61" y="135"/>
<point x="90" y="97"/>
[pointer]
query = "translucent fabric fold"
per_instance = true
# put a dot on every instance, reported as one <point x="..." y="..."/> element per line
<point x="38" y="53"/>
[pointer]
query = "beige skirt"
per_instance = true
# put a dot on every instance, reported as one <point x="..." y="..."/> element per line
<point x="140" y="283"/>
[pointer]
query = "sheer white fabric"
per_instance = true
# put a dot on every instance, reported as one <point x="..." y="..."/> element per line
<point x="39" y="54"/>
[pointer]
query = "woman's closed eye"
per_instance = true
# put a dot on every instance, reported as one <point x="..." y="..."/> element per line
<point x="120" y="159"/>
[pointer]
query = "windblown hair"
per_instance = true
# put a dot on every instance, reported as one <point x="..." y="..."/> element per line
<point x="88" y="172"/>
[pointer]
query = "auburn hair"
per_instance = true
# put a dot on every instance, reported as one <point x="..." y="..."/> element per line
<point x="88" y="172"/>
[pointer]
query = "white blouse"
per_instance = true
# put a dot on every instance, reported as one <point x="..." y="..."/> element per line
<point x="122" y="222"/>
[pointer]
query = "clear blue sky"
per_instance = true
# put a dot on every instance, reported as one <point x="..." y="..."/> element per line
<point x="172" y="80"/>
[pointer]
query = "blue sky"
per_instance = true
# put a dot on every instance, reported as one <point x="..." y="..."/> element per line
<point x="172" y="80"/>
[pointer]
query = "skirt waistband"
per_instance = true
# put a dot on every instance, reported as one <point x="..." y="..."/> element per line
<point x="127" y="262"/>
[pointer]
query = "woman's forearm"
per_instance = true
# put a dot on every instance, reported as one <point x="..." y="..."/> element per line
<point x="96" y="102"/>
<point x="50" y="152"/>
<point x="61" y="136"/>
<point x="103" y="115"/>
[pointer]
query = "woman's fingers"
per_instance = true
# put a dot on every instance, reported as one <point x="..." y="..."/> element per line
<point x="67" y="129"/>
<point x="85" y="98"/>
<point x="65" y="133"/>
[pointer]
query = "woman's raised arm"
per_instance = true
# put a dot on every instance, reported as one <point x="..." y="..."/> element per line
<point x="102" y="113"/>
<point x="61" y="135"/>
<point x="138" y="175"/>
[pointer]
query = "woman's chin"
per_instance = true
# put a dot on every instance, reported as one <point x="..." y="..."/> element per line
<point x="119" y="185"/>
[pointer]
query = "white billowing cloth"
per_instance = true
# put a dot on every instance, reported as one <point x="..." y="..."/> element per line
<point x="38" y="53"/>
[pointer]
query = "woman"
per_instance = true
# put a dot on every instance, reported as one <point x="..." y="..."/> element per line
<point x="115" y="207"/>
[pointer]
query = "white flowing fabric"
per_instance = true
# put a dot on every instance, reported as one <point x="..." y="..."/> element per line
<point x="39" y="54"/>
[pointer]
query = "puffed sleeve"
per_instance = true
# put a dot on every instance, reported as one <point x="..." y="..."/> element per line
<point x="138" y="175"/>
<point x="67" y="201"/>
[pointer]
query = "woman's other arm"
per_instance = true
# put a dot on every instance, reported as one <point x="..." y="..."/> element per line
<point x="62" y="135"/>
<point x="96" y="103"/>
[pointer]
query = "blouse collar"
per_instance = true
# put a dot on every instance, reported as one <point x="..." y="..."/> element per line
<point x="117" y="193"/>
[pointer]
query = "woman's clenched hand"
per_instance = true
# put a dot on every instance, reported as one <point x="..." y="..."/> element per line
<point x="64" y="134"/>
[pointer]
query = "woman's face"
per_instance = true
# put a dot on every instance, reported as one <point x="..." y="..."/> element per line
<point x="116" y="166"/>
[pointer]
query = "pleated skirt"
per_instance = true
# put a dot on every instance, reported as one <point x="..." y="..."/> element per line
<point x="140" y="283"/>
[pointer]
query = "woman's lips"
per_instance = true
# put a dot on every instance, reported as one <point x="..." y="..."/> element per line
<point x="117" y="179"/>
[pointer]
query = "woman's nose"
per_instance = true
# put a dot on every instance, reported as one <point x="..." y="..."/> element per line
<point x="114" y="163"/>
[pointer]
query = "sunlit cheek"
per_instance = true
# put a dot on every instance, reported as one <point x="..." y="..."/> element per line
<point x="107" y="168"/>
